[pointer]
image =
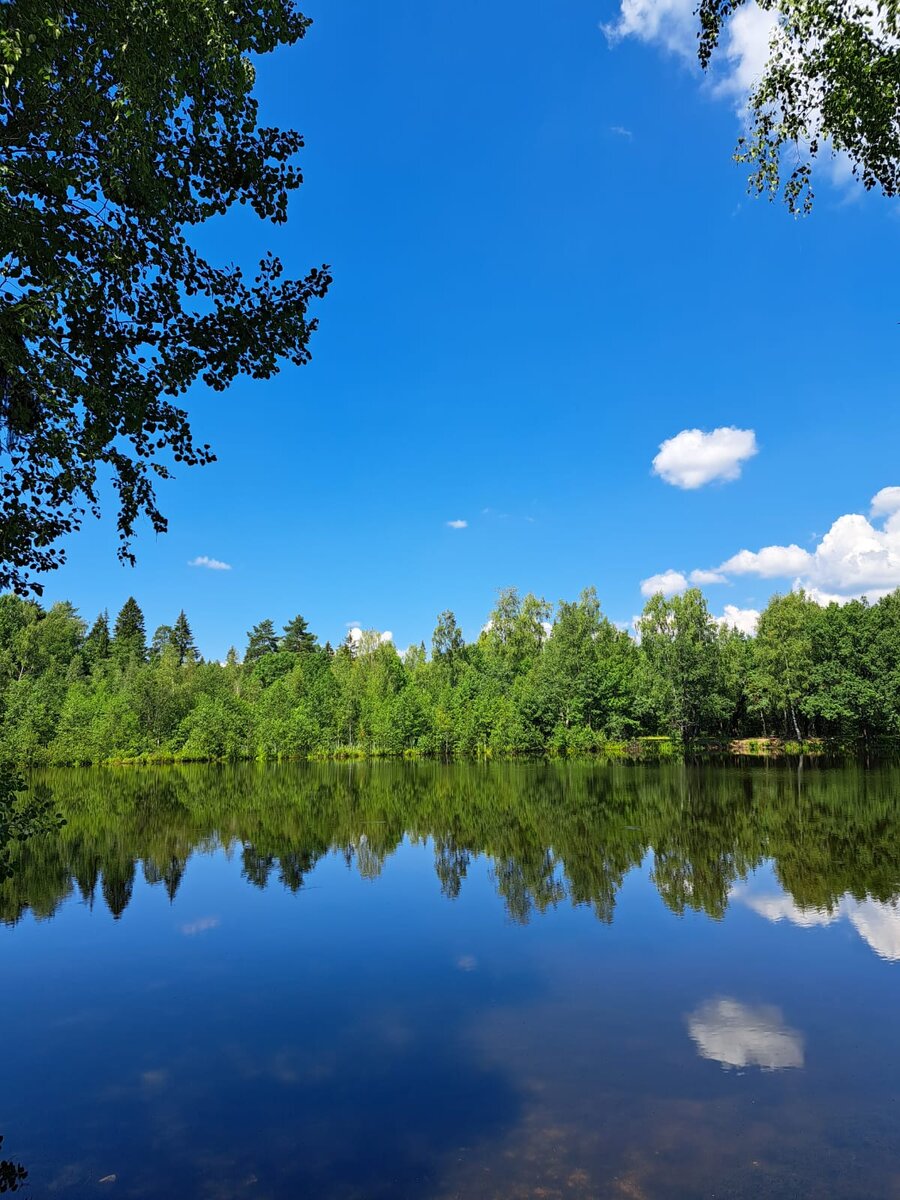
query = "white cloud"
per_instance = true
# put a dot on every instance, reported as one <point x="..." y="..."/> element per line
<point x="693" y="458"/>
<point x="673" y="25"/>
<point x="743" y="619"/>
<point x="211" y="564"/>
<point x="771" y="562"/>
<point x="700" y="578"/>
<point x="670" y="583"/>
<point x="621" y="131"/>
<point x="458" y="524"/>
<point x="743" y="1035"/>
<point x="854" y="557"/>
<point x="359" y="636"/>
<point x="885" y="502"/>
<point x="670" y="23"/>
<point x="746" y="49"/>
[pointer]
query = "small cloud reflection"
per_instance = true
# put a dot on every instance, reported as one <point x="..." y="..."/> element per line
<point x="876" y="921"/>
<point x="744" y="1035"/>
<point x="201" y="925"/>
<point x="467" y="962"/>
<point x="154" y="1079"/>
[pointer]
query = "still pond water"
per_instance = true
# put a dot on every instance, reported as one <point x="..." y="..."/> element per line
<point x="425" y="982"/>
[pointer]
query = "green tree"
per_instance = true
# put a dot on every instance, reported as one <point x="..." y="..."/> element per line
<point x="784" y="657"/>
<point x="679" y="655"/>
<point x="262" y="639"/>
<point x="829" y="85"/>
<point x="183" y="640"/>
<point x="297" y="638"/>
<point x="129" y="635"/>
<point x="115" y="149"/>
<point x="97" y="642"/>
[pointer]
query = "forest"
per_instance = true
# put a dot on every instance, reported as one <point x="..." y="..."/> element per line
<point x="537" y="680"/>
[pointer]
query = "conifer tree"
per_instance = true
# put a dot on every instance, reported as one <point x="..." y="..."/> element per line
<point x="297" y="637"/>
<point x="183" y="640"/>
<point x="261" y="640"/>
<point x="129" y="637"/>
<point x="97" y="642"/>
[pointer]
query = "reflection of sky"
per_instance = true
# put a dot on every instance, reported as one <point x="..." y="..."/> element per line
<point x="743" y="1035"/>
<point x="876" y="921"/>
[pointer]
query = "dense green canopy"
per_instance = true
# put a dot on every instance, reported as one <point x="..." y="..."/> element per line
<point x="524" y="687"/>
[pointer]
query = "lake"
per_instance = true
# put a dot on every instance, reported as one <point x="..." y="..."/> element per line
<point x="361" y="982"/>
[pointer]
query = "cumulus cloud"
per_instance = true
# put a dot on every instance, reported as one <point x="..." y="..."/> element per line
<point x="771" y="562"/>
<point x="670" y="583"/>
<point x="459" y="523"/>
<point x="701" y="578"/>
<point x="743" y="1035"/>
<point x="211" y="564"/>
<point x="855" y="558"/>
<point x="885" y="502"/>
<point x="693" y="458"/>
<point x="743" y="619"/>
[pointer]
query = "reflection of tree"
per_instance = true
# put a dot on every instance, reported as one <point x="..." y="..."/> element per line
<point x="117" y="885"/>
<point x="451" y="863"/>
<point x="551" y="831"/>
<point x="12" y="1174"/>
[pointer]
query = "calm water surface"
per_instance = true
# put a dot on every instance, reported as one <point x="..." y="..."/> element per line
<point x="368" y="982"/>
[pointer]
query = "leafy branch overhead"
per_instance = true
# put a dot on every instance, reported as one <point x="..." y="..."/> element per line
<point x="124" y="124"/>
<point x="831" y="83"/>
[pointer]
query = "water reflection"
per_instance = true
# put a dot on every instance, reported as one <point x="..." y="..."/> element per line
<point x="742" y="1035"/>
<point x="12" y="1174"/>
<point x="502" y="982"/>
<point x="552" y="834"/>
<point x="876" y="921"/>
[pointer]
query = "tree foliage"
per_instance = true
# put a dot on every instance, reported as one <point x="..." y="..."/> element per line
<point x="831" y="83"/>
<point x="124" y="126"/>
<point x="524" y="686"/>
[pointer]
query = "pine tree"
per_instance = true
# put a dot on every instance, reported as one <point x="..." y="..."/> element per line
<point x="261" y="640"/>
<point x="297" y="637"/>
<point x="183" y="640"/>
<point x="129" y="638"/>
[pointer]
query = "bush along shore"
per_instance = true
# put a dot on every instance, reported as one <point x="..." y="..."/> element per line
<point x="537" y="681"/>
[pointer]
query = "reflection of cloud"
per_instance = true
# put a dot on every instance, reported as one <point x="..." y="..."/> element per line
<point x="784" y="908"/>
<point x="741" y="1035"/>
<point x="154" y="1079"/>
<point x="467" y="962"/>
<point x="201" y="925"/>
<point x="876" y="921"/>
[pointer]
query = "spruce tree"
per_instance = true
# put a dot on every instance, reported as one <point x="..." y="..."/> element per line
<point x="97" y="642"/>
<point x="183" y="640"/>
<point x="129" y="637"/>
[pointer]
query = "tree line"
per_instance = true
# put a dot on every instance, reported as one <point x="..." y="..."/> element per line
<point x="536" y="680"/>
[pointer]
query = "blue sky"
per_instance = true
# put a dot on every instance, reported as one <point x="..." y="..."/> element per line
<point x="546" y="265"/>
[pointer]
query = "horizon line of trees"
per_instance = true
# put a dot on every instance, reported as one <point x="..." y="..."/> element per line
<point x="71" y="694"/>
